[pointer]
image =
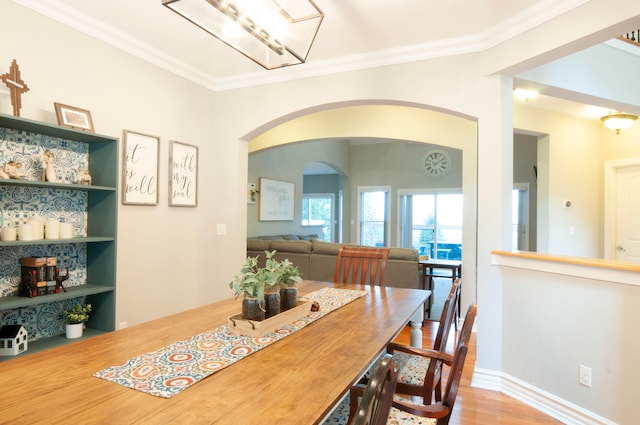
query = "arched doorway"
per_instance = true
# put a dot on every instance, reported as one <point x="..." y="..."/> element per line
<point x="392" y="120"/>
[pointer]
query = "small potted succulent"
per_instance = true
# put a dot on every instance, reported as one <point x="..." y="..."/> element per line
<point x="75" y="318"/>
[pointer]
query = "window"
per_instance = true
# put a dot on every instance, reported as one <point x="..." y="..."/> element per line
<point x="432" y="223"/>
<point x="317" y="210"/>
<point x="373" y="207"/>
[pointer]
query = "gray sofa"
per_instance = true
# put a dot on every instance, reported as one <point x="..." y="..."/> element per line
<point x="316" y="259"/>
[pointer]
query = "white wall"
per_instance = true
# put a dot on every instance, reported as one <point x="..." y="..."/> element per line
<point x="569" y="168"/>
<point x="571" y="157"/>
<point x="578" y="321"/>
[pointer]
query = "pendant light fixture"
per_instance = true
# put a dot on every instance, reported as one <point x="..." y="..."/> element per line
<point x="619" y="121"/>
<point x="272" y="33"/>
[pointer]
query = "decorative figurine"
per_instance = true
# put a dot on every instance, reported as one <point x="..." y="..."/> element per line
<point x="83" y="176"/>
<point x="48" y="169"/>
<point x="60" y="279"/>
<point x="10" y="170"/>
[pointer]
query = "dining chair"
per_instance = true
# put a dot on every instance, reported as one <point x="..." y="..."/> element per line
<point x="363" y="264"/>
<point x="377" y="398"/>
<point x="407" y="412"/>
<point x="417" y="375"/>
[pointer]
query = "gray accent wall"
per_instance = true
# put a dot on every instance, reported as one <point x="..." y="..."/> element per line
<point x="394" y="163"/>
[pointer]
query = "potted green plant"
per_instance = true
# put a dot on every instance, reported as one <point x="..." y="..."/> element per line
<point x="251" y="283"/>
<point x="75" y="317"/>
<point x="288" y="281"/>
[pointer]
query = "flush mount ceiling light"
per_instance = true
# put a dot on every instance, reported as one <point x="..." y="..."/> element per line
<point x="619" y="121"/>
<point x="525" y="94"/>
<point x="272" y="33"/>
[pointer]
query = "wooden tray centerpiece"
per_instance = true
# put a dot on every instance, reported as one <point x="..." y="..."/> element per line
<point x="254" y="328"/>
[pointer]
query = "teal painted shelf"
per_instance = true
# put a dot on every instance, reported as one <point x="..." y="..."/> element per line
<point x="92" y="239"/>
<point x="54" y="341"/>
<point x="9" y="303"/>
<point x="101" y="204"/>
<point x="65" y="186"/>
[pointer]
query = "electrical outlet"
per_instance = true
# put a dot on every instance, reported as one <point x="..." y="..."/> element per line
<point x="221" y="229"/>
<point x="585" y="376"/>
<point x="122" y="325"/>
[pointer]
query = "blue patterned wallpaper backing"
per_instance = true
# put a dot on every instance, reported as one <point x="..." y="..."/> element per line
<point x="18" y="204"/>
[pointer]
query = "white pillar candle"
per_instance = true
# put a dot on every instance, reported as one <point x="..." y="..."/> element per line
<point x="25" y="232"/>
<point x="66" y="231"/>
<point x="52" y="229"/>
<point x="8" y="234"/>
<point x="38" y="227"/>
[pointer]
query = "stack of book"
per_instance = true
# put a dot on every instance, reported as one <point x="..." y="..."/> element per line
<point x="39" y="276"/>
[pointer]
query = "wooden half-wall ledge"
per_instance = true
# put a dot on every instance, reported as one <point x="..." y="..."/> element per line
<point x="589" y="268"/>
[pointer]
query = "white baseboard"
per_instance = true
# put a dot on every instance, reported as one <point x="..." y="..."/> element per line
<point x="541" y="400"/>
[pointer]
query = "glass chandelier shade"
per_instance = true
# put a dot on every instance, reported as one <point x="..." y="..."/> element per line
<point x="272" y="33"/>
<point x="619" y="121"/>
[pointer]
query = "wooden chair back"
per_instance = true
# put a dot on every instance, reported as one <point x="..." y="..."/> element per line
<point x="441" y="410"/>
<point x="377" y="398"/>
<point x="455" y="372"/>
<point x="432" y="388"/>
<point x="356" y="264"/>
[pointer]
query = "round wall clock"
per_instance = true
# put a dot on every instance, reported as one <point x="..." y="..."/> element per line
<point x="436" y="163"/>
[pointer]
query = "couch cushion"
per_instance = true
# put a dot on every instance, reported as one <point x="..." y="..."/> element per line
<point x="291" y="246"/>
<point x="325" y="248"/>
<point x="257" y="245"/>
<point x="403" y="254"/>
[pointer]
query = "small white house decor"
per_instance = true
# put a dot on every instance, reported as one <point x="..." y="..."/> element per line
<point x="13" y="340"/>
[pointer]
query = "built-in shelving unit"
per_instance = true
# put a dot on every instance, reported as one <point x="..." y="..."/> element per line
<point x="98" y="246"/>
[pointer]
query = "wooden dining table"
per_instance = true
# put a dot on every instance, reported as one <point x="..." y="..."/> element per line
<point x="296" y="380"/>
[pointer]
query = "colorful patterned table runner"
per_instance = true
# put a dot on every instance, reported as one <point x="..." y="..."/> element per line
<point x="171" y="369"/>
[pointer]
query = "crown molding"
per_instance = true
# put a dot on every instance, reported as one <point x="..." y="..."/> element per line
<point x="404" y="54"/>
<point x="536" y="15"/>
<point x="97" y="29"/>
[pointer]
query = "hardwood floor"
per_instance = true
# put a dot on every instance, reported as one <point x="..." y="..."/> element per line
<point x="476" y="406"/>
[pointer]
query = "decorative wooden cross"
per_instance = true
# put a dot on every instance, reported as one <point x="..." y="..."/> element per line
<point x="16" y="86"/>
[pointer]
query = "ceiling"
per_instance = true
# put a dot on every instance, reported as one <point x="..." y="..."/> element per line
<point x="354" y="34"/>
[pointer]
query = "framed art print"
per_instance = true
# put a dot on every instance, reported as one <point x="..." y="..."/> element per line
<point x="276" y="200"/>
<point x="70" y="116"/>
<point x="183" y="175"/>
<point x="140" y="169"/>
